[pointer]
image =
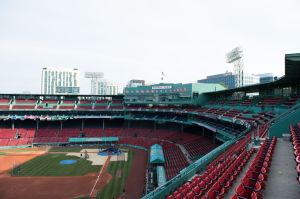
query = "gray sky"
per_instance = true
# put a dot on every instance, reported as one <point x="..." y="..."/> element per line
<point x="126" y="39"/>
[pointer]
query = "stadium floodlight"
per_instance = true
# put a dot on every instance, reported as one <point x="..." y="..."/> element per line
<point x="235" y="57"/>
<point x="94" y="76"/>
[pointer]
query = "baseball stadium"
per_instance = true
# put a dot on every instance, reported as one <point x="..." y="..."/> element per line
<point x="173" y="141"/>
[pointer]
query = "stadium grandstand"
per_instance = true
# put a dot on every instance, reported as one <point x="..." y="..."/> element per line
<point x="202" y="141"/>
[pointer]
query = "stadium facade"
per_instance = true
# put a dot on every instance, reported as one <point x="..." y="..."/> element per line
<point x="168" y="93"/>
<point x="199" y="127"/>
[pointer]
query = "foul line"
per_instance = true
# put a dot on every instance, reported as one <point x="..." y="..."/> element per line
<point x="98" y="177"/>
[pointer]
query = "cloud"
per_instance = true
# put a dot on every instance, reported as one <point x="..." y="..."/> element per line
<point x="187" y="40"/>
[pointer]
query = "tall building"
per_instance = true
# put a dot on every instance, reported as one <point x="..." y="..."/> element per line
<point x="228" y="79"/>
<point x="136" y="83"/>
<point x="266" y="77"/>
<point x="108" y="88"/>
<point x="60" y="81"/>
<point x="250" y="79"/>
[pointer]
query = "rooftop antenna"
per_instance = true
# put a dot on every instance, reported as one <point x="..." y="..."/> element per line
<point x="162" y="76"/>
<point x="235" y="57"/>
<point x="94" y="76"/>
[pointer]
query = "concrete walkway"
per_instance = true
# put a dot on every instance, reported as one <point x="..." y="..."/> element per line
<point x="281" y="182"/>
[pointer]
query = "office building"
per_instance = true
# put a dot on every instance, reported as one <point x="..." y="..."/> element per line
<point x="226" y="79"/>
<point x="60" y="81"/>
<point x="108" y="88"/>
<point x="266" y="77"/>
<point x="136" y="83"/>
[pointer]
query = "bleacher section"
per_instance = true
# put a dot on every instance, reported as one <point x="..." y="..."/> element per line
<point x="47" y="104"/>
<point x="175" y="160"/>
<point x="15" y="137"/>
<point x="85" y="105"/>
<point x="295" y="133"/>
<point x="254" y="180"/>
<point x="116" y="105"/>
<point x="23" y="104"/>
<point x="67" y="105"/>
<point x="101" y="105"/>
<point x="218" y="177"/>
<point x="4" y="104"/>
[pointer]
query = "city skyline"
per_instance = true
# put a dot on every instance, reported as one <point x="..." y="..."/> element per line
<point x="139" y="40"/>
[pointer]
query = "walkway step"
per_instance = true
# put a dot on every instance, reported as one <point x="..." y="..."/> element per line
<point x="281" y="182"/>
<point x="185" y="153"/>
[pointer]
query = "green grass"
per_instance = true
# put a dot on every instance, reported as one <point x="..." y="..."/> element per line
<point x="66" y="149"/>
<point x="115" y="187"/>
<point x="48" y="165"/>
<point x="2" y="153"/>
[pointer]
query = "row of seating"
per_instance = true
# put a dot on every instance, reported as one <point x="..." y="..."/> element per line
<point x="15" y="137"/>
<point x="16" y="141"/>
<point x="253" y="181"/>
<point x="199" y="147"/>
<point x="295" y="135"/>
<point x="221" y="187"/>
<point x="175" y="161"/>
<point x="201" y="184"/>
<point x="265" y="101"/>
<point x="33" y="104"/>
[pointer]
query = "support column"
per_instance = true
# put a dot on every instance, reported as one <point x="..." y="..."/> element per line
<point x="37" y="124"/>
<point x="13" y="124"/>
<point x="154" y="125"/>
<point x="214" y="138"/>
<point x="128" y="124"/>
<point x="181" y="128"/>
<point x="103" y="126"/>
<point x="82" y="124"/>
<point x="61" y="124"/>
<point x="202" y="131"/>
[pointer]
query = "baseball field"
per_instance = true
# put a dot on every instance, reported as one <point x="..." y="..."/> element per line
<point x="41" y="174"/>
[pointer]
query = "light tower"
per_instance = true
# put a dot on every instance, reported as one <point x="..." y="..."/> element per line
<point x="236" y="57"/>
<point x="94" y="76"/>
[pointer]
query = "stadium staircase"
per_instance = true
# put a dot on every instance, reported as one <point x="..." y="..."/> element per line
<point x="185" y="153"/>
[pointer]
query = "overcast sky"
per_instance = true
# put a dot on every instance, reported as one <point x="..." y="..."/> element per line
<point x="126" y="39"/>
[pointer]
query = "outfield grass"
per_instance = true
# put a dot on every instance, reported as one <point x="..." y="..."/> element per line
<point x="2" y="153"/>
<point x="115" y="187"/>
<point x="48" y="165"/>
<point x="66" y="149"/>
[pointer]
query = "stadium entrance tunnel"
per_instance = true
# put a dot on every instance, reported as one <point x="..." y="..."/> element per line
<point x="67" y="162"/>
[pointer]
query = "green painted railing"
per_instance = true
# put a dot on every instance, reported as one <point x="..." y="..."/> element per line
<point x="281" y="124"/>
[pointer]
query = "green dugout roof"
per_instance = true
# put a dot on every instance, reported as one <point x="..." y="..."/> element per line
<point x="156" y="154"/>
<point x="94" y="139"/>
